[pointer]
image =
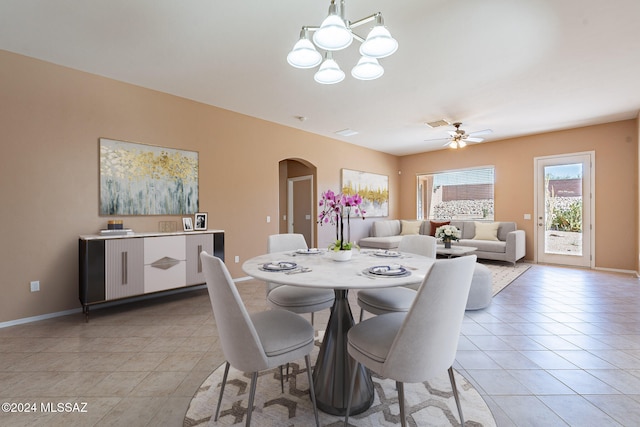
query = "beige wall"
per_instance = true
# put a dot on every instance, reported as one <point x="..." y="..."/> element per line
<point x="51" y="118"/>
<point x="616" y="160"/>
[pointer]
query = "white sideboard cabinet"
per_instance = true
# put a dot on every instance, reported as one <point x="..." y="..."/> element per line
<point x="118" y="267"/>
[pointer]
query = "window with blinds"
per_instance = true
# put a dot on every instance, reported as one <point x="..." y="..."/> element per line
<point x="457" y="194"/>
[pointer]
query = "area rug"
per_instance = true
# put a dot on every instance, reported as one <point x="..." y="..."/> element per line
<point x="427" y="404"/>
<point x="503" y="273"/>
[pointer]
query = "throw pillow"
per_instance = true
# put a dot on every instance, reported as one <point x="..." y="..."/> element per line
<point x="486" y="230"/>
<point x="435" y="224"/>
<point x="409" y="227"/>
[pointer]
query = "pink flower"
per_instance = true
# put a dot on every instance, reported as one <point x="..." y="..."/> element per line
<point x="335" y="208"/>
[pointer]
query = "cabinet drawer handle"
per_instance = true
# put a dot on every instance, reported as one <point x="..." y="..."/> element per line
<point x="199" y="260"/>
<point x="125" y="268"/>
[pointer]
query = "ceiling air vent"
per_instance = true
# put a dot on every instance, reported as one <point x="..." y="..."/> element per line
<point x="347" y="132"/>
<point x="438" y="123"/>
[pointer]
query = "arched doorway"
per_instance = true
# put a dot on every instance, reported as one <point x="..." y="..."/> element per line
<point x="297" y="199"/>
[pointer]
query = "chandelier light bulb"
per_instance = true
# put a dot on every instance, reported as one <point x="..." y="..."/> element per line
<point x="304" y="54"/>
<point x="462" y="144"/>
<point x="329" y="72"/>
<point x="367" y="69"/>
<point x="333" y="34"/>
<point x="453" y="144"/>
<point x="379" y="43"/>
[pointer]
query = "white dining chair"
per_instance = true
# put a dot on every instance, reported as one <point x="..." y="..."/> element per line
<point x="254" y="342"/>
<point x="294" y="298"/>
<point x="397" y="299"/>
<point x="418" y="345"/>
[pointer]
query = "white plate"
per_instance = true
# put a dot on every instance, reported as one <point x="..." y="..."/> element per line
<point x="388" y="270"/>
<point x="310" y="251"/>
<point x="279" y="266"/>
<point x="387" y="254"/>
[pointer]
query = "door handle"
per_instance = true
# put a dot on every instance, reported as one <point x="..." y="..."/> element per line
<point x="125" y="268"/>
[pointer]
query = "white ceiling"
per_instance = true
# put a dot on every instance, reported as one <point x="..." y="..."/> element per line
<point x="517" y="67"/>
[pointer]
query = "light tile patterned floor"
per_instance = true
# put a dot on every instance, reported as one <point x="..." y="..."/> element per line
<point x="558" y="347"/>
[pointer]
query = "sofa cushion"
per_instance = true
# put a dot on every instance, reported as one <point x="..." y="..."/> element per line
<point x="435" y="225"/>
<point x="388" y="242"/>
<point x="485" y="245"/>
<point x="506" y="228"/>
<point x="409" y="227"/>
<point x="467" y="228"/>
<point x="486" y="230"/>
<point x="385" y="228"/>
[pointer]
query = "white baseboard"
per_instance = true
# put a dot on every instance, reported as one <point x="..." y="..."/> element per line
<point x="102" y="305"/>
<point x="40" y="317"/>
<point x="108" y="304"/>
<point x="617" y="270"/>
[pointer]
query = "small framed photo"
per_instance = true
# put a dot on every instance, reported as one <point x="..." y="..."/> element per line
<point x="201" y="221"/>
<point x="187" y="224"/>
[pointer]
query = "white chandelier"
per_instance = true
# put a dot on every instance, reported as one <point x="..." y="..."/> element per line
<point x="335" y="33"/>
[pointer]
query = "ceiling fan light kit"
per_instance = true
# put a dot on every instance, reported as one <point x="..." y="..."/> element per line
<point x="335" y="33"/>
<point x="459" y="138"/>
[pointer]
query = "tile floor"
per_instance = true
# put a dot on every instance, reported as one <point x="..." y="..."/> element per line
<point x="557" y="347"/>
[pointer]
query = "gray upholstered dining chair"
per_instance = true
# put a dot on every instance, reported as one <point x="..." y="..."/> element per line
<point x="294" y="298"/>
<point x="398" y="299"/>
<point x="258" y="341"/>
<point x="418" y="345"/>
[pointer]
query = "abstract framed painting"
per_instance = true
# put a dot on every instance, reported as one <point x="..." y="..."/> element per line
<point x="372" y="187"/>
<point x="140" y="179"/>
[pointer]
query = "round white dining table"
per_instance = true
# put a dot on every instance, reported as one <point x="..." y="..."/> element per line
<point x="316" y="269"/>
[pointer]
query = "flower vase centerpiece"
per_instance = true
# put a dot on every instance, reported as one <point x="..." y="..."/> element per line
<point x="447" y="233"/>
<point x="336" y="209"/>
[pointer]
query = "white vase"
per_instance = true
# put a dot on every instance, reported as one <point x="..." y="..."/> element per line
<point x="343" y="255"/>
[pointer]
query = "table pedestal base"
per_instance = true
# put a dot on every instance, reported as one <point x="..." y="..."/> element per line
<point x="334" y="366"/>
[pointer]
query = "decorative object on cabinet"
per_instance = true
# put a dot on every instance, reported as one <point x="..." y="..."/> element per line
<point x="187" y="224"/>
<point x="123" y="232"/>
<point x="373" y="188"/>
<point x="201" y="221"/>
<point x="139" y="179"/>
<point x="167" y="226"/>
<point x="118" y="267"/>
<point x="115" y="224"/>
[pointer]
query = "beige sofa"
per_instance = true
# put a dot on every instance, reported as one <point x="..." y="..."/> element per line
<point x="509" y="246"/>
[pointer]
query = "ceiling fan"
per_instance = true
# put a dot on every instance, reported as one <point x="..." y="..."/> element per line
<point x="459" y="138"/>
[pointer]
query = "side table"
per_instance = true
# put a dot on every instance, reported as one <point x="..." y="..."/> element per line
<point x="455" y="250"/>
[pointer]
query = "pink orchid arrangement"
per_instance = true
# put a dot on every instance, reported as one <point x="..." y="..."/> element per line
<point x="335" y="208"/>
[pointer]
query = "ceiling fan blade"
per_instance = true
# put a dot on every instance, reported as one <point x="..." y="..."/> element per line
<point x="481" y="132"/>
<point x="452" y="132"/>
<point x="473" y="139"/>
<point x="437" y="139"/>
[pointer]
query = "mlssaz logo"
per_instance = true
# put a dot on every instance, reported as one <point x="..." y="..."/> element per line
<point x="63" y="407"/>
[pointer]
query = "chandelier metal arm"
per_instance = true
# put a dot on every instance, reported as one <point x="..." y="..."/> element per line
<point x="364" y="20"/>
